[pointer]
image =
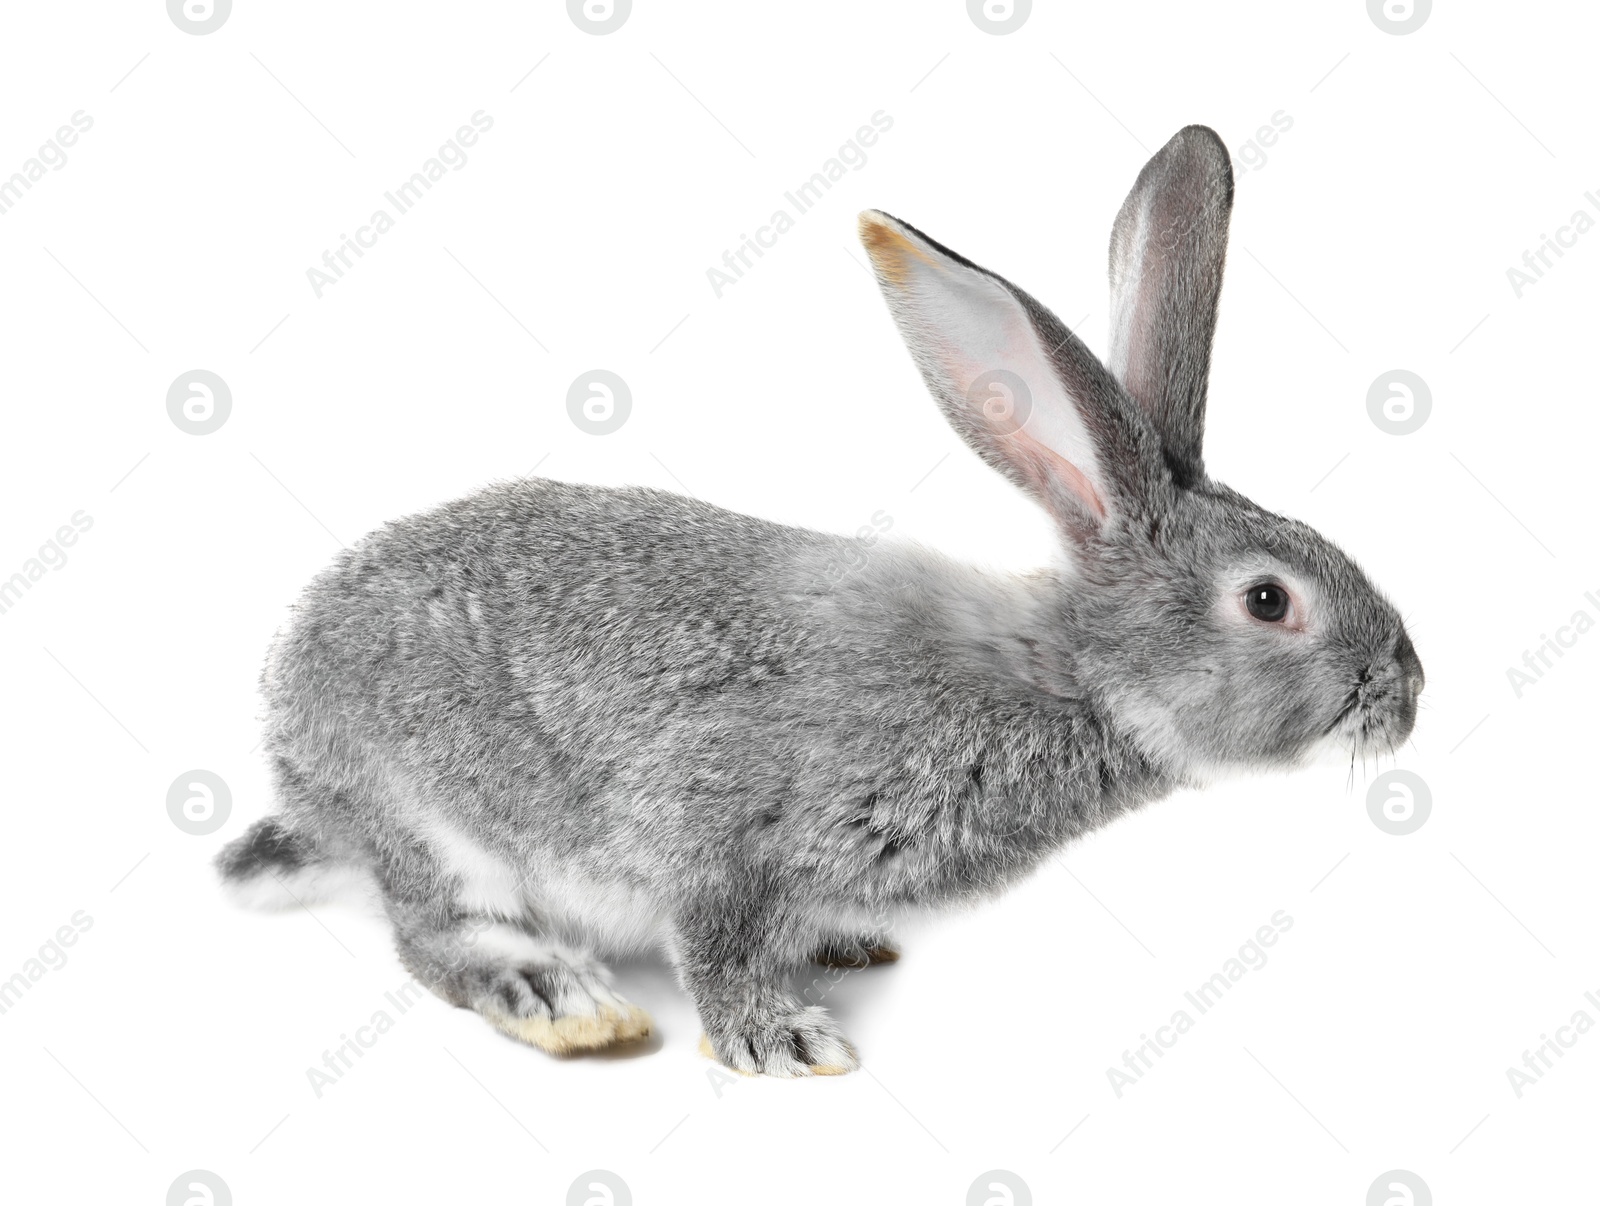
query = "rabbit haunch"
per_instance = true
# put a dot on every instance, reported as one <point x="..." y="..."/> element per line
<point x="549" y="720"/>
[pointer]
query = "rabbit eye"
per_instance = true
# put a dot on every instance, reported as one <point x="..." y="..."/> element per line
<point x="1267" y="601"/>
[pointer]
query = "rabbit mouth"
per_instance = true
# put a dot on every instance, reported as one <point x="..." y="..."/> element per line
<point x="1348" y="712"/>
<point x="1370" y="720"/>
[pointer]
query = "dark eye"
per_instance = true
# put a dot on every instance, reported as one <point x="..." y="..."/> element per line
<point x="1267" y="601"/>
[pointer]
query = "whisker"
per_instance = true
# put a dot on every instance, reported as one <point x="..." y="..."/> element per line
<point x="1351" y="701"/>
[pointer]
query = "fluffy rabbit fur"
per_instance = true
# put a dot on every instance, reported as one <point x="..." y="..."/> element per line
<point x="553" y="721"/>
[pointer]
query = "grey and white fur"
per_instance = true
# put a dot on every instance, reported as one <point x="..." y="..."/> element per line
<point x="552" y="722"/>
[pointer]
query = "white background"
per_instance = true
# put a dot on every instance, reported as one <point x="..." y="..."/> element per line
<point x="1377" y="235"/>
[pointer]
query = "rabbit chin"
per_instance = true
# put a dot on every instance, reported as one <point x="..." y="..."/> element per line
<point x="1155" y="732"/>
<point x="1332" y="752"/>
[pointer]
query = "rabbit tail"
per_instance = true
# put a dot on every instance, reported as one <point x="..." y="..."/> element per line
<point x="275" y="866"/>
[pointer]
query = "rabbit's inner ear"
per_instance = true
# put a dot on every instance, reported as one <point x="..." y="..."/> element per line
<point x="977" y="341"/>
<point x="1167" y="252"/>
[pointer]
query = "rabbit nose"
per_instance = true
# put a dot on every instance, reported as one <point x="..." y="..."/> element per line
<point x="1410" y="665"/>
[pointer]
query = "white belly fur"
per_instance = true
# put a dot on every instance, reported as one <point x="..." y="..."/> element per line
<point x="600" y="916"/>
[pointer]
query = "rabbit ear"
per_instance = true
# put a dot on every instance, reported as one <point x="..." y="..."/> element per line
<point x="1167" y="249"/>
<point x="1014" y="383"/>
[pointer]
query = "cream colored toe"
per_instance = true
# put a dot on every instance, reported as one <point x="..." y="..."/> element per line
<point x="575" y="1033"/>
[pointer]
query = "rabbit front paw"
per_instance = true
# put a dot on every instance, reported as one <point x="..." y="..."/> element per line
<point x="800" y="1041"/>
<point x="856" y="951"/>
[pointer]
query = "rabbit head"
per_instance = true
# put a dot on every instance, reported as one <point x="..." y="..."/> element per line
<point x="1215" y="632"/>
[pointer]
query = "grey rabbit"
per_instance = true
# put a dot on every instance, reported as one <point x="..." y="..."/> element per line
<point x="549" y="722"/>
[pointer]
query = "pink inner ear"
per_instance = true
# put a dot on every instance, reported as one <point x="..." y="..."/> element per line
<point x="1041" y="463"/>
<point x="1054" y="464"/>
